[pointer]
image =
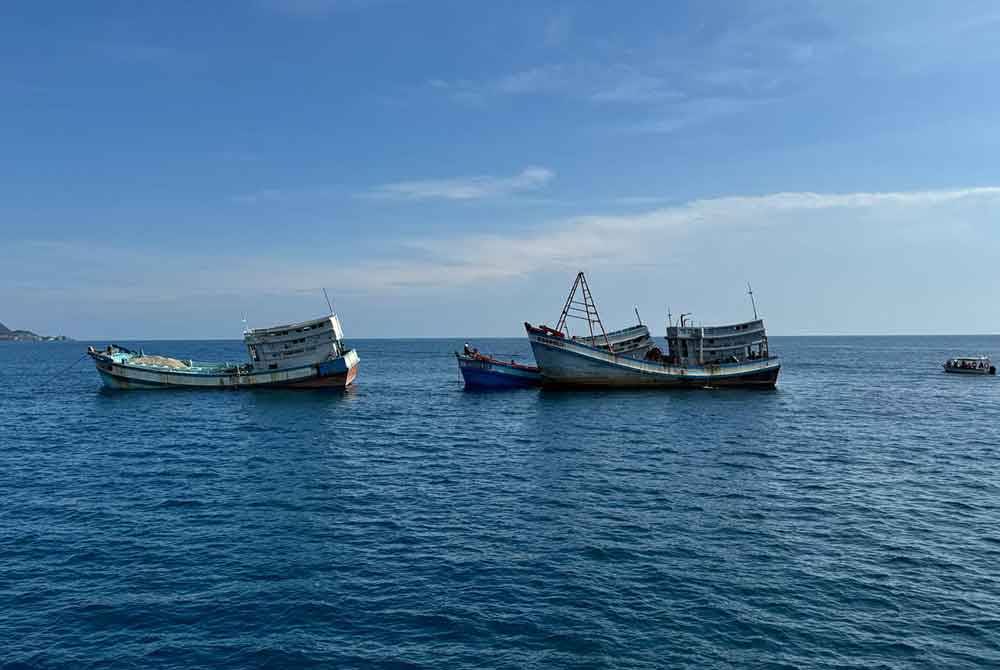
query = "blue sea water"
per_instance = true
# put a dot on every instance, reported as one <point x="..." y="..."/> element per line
<point x="847" y="519"/>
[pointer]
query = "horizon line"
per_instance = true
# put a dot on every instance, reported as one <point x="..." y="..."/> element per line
<point x="133" y="338"/>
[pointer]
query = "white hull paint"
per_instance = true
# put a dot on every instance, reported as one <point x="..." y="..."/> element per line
<point x="565" y="362"/>
<point x="337" y="373"/>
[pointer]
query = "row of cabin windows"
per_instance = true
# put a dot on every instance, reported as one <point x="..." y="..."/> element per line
<point x="713" y="339"/>
<point x="725" y="354"/>
<point x="280" y="354"/>
<point x="312" y="326"/>
<point x="742" y="327"/>
<point x="292" y="352"/>
<point x="327" y="336"/>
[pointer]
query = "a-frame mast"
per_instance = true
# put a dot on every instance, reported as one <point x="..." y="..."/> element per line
<point x="584" y="310"/>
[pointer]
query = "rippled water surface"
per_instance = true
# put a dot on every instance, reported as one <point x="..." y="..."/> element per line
<point x="847" y="519"/>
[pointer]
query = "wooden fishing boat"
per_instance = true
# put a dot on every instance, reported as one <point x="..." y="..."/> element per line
<point x="480" y="371"/>
<point x="310" y="354"/>
<point x="698" y="356"/>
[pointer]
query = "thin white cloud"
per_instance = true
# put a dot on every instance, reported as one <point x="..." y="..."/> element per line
<point x="610" y="241"/>
<point x="642" y="238"/>
<point x="637" y="87"/>
<point x="466" y="188"/>
<point x="597" y="83"/>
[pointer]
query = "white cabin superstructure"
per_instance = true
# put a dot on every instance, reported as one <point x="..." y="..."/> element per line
<point x="708" y="345"/>
<point x="296" y="344"/>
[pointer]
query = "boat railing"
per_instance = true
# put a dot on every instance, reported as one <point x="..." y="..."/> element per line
<point x="663" y="362"/>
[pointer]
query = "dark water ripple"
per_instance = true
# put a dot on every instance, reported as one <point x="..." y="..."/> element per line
<point x="848" y="519"/>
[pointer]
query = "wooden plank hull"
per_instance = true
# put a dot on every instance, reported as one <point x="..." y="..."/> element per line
<point x="337" y="373"/>
<point x="482" y="373"/>
<point x="567" y="363"/>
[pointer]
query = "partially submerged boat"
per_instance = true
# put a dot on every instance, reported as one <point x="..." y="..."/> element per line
<point x="310" y="354"/>
<point x="697" y="356"/>
<point x="970" y="365"/>
<point x="480" y="371"/>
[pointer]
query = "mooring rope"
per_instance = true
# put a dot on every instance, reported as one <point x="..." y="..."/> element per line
<point x="61" y="372"/>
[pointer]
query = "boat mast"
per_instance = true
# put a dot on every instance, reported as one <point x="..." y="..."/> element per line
<point x="637" y="317"/>
<point x="584" y="310"/>
<point x="752" y="301"/>
<point x="328" y="303"/>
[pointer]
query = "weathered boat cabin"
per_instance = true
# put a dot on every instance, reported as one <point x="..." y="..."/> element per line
<point x="296" y="344"/>
<point x="715" y="345"/>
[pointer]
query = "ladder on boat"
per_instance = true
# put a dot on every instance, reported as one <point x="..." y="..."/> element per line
<point x="583" y="309"/>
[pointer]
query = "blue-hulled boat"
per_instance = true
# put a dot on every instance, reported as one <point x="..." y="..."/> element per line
<point x="485" y="372"/>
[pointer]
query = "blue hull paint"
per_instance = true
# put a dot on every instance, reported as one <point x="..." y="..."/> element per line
<point x="482" y="374"/>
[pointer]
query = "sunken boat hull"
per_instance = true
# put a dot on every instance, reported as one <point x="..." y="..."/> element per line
<point x="483" y="372"/>
<point x="565" y="362"/>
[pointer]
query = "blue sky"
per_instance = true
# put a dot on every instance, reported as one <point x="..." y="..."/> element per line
<point x="444" y="168"/>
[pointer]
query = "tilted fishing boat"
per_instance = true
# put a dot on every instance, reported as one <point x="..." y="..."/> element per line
<point x="486" y="372"/>
<point x="699" y="356"/>
<point x="970" y="365"/>
<point x="311" y="354"/>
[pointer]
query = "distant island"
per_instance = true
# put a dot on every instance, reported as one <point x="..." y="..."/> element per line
<point x="8" y="335"/>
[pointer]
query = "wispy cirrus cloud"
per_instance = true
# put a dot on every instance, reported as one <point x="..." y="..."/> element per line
<point x="465" y="188"/>
<point x="596" y="83"/>
<point x="627" y="240"/>
<point x="612" y="241"/>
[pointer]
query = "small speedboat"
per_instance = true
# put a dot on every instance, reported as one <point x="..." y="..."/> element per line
<point x="970" y="365"/>
<point x="485" y="372"/>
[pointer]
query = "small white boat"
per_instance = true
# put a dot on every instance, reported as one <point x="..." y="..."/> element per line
<point x="970" y="365"/>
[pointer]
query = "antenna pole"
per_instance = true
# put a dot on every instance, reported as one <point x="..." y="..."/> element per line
<point x="328" y="303"/>
<point x="637" y="317"/>
<point x="752" y="300"/>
